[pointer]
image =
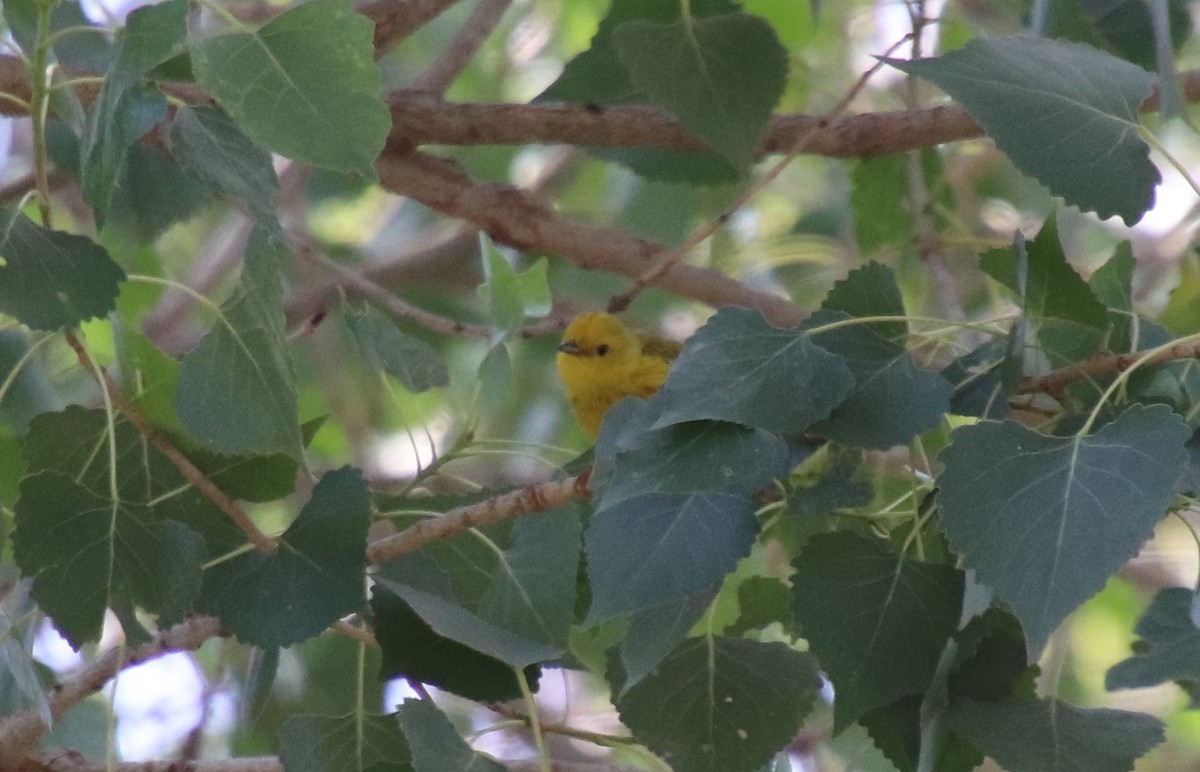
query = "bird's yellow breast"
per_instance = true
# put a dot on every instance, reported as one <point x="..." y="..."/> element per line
<point x="601" y="362"/>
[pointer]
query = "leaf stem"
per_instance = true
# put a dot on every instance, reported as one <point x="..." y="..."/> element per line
<point x="535" y="725"/>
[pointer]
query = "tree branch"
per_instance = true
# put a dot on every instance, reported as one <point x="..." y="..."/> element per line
<point x="21" y="732"/>
<point x="1053" y="383"/>
<point x="519" y="219"/>
<point x="532" y="498"/>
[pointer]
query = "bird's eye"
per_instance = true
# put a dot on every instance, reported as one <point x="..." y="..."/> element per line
<point x="602" y="349"/>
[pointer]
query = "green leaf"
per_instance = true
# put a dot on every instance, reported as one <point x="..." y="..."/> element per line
<point x="878" y="197"/>
<point x="1112" y="284"/>
<point x="434" y="743"/>
<point x="1084" y="143"/>
<point x="211" y="147"/>
<point x="654" y="632"/>
<point x="978" y="383"/>
<point x="1045" y="521"/>
<point x="836" y="487"/>
<point x="651" y="549"/>
<point x="893" y="400"/>
<point x="236" y="390"/>
<point x="495" y="379"/>
<point x="87" y="553"/>
<point x="694" y="457"/>
<point x="1168" y="647"/>
<point x="305" y="85"/>
<point x="153" y="194"/>
<point x="123" y="112"/>
<point x="411" y="649"/>
<point x="50" y="280"/>
<point x="354" y="743"/>
<point x="1054" y="736"/>
<point x="697" y="70"/>
<point x="1066" y="321"/>
<point x="314" y="579"/>
<point x="507" y="591"/>
<point x="904" y="612"/>
<point x="732" y="369"/>
<point x="385" y="348"/>
<point x="991" y="663"/>
<point x="721" y="704"/>
<point x="762" y="601"/>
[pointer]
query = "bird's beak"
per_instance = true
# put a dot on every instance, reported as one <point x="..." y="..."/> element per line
<point x="569" y="347"/>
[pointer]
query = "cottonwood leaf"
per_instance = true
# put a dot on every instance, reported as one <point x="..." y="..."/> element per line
<point x="739" y="368"/>
<point x="410" y="648"/>
<point x="435" y="744"/>
<point x="152" y="194"/>
<point x="305" y="85"/>
<point x="1065" y="113"/>
<point x="314" y="579"/>
<point x="893" y="399"/>
<point x="721" y="704"/>
<point x="903" y="614"/>
<point x="654" y="632"/>
<point x="978" y="383"/>
<point x="384" y="348"/>
<point x="687" y="458"/>
<point x="1045" y="521"/>
<point x="1168" y="647"/>
<point x="86" y="553"/>
<point x="650" y="549"/>
<point x="1064" y="320"/>
<point x="1054" y="736"/>
<point x="50" y="280"/>
<point x="721" y="76"/>
<point x="353" y="743"/>
<point x="124" y="111"/>
<point x="507" y="590"/>
<point x="210" y="146"/>
<point x="236" y="390"/>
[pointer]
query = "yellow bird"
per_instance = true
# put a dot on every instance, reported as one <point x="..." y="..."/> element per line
<point x="601" y="362"/>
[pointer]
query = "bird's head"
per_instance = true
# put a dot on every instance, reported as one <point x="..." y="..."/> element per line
<point x="597" y="343"/>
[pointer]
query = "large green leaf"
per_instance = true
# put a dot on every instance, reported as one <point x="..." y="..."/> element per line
<point x="698" y="70"/>
<point x="435" y="744"/>
<point x="152" y="194"/>
<point x="305" y="85"/>
<point x="904" y="612"/>
<point x="236" y="390"/>
<point x="1054" y="736"/>
<point x="50" y="280"/>
<point x="507" y="591"/>
<point x="721" y="704"/>
<point x="354" y="743"/>
<point x="87" y="553"/>
<point x="1064" y="321"/>
<point x="1168" y="648"/>
<point x="411" y="649"/>
<point x="208" y="145"/>
<point x="893" y="399"/>
<point x="1065" y="113"/>
<point x="650" y="549"/>
<point x="1044" y="521"/>
<point x="738" y="368"/>
<point x="654" y="632"/>
<point x="314" y="579"/>
<point x="385" y="348"/>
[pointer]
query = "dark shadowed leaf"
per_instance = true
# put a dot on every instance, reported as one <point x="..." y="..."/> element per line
<point x="314" y="579"/>
<point x="904" y="612"/>
<point x="507" y="591"/>
<point x="738" y="368"/>
<point x="208" y="145"/>
<point x="654" y="632"/>
<point x="1044" y="521"/>
<point x="721" y="704"/>
<point x="236" y="390"/>
<point x="1168" y="648"/>
<point x="1054" y="736"/>
<point x="435" y="744"/>
<point x="50" y="280"/>
<point x="385" y="348"/>
<point x="411" y="649"/>
<point x="1083" y="142"/>
<point x="654" y="548"/>
<point x="347" y="744"/>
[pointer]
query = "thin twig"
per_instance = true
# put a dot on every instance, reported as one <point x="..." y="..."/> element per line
<point x="1053" y="383"/>
<point x="462" y="47"/>
<point x="672" y="257"/>
<point x="533" y="498"/>
<point x="190" y="471"/>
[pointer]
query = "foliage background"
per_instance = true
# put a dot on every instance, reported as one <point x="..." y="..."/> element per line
<point x="495" y="416"/>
